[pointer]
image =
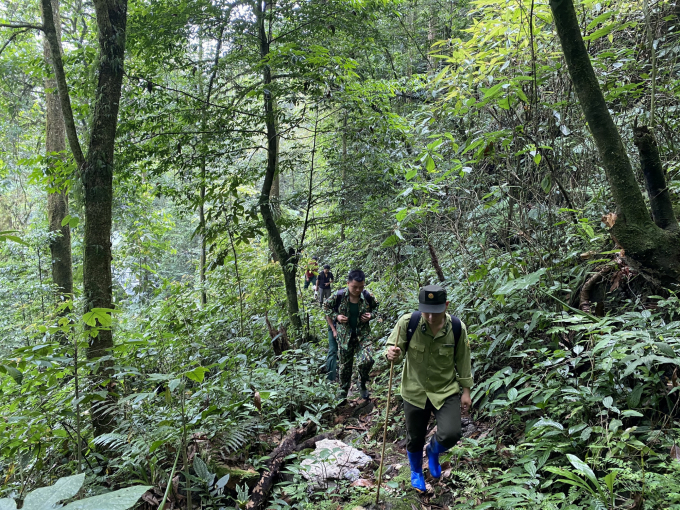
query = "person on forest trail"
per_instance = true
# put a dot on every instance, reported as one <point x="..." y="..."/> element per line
<point x="311" y="272"/>
<point x="436" y="378"/>
<point x="348" y="313"/>
<point x="324" y="283"/>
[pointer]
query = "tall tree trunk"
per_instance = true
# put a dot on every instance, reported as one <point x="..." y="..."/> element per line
<point x="201" y="205"/>
<point x="97" y="172"/>
<point x="287" y="259"/>
<point x="57" y="202"/>
<point x="646" y="244"/>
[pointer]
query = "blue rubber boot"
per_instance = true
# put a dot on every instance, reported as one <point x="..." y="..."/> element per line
<point x="417" y="478"/>
<point x="433" y="450"/>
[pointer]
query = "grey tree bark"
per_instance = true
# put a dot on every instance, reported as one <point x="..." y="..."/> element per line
<point x="57" y="201"/>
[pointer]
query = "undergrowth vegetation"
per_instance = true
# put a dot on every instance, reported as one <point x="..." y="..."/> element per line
<point x="436" y="142"/>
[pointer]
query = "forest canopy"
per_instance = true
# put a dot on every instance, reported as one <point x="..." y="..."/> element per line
<point x="172" y="173"/>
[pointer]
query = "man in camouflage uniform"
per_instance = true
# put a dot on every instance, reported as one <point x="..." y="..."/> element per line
<point x="351" y="331"/>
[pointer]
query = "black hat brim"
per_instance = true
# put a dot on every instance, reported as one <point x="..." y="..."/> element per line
<point x="422" y="307"/>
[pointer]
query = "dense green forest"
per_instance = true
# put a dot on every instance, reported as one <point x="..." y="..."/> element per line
<point x="169" y="167"/>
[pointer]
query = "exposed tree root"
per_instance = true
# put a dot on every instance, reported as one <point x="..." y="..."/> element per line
<point x="276" y="459"/>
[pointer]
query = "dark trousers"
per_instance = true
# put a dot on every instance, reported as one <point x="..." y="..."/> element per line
<point x="448" y="423"/>
<point x="332" y="358"/>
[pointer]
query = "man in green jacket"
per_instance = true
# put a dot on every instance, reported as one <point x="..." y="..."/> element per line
<point x="436" y="378"/>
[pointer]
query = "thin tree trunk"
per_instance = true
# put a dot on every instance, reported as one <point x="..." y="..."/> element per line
<point x="655" y="179"/>
<point x="287" y="259"/>
<point x="201" y="219"/>
<point x="57" y="201"/>
<point x="344" y="166"/>
<point x="435" y="261"/>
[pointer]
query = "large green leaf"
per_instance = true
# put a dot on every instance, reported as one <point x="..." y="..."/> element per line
<point x="582" y="468"/>
<point x="13" y="373"/>
<point x="46" y="498"/>
<point x="118" y="500"/>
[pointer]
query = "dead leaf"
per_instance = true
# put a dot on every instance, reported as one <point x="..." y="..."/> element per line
<point x="675" y="452"/>
<point x="257" y="401"/>
<point x="609" y="219"/>
<point x="149" y="498"/>
<point x="616" y="282"/>
<point x="362" y="482"/>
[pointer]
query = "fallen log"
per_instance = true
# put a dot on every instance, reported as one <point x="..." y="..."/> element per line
<point x="311" y="443"/>
<point x="276" y="459"/>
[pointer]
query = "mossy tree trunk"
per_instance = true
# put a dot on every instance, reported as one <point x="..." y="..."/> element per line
<point x="96" y="171"/>
<point x="649" y="242"/>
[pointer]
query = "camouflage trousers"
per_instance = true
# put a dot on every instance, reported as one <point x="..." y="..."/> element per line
<point x="364" y="352"/>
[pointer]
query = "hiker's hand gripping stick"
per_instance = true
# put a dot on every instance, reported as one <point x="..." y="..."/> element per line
<point x="393" y="353"/>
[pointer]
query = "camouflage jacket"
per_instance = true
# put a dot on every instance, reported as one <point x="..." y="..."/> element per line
<point x="344" y="330"/>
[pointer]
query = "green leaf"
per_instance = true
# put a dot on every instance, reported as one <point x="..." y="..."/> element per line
<point x="411" y="174"/>
<point x="609" y="481"/>
<point x="46" y="498"/>
<point x="522" y="283"/>
<point x="545" y="422"/>
<point x="582" y="468"/>
<point x="546" y="182"/>
<point x="608" y="402"/>
<point x="201" y="469"/>
<point x="537" y="158"/>
<point x="197" y="374"/>
<point x="429" y="163"/>
<point x="401" y="214"/>
<point x="629" y="413"/>
<point x="98" y="314"/>
<point x="66" y="219"/>
<point x="14" y="373"/>
<point x="390" y="241"/>
<point x="118" y="500"/>
<point x="222" y="481"/>
<point x="512" y="394"/>
<point x="601" y="32"/>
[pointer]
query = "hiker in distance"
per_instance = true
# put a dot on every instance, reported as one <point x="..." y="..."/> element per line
<point x="311" y="272"/>
<point x="323" y="283"/>
<point x="436" y="378"/>
<point x="348" y="313"/>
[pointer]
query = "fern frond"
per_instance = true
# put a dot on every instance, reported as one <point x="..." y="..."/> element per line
<point x="113" y="441"/>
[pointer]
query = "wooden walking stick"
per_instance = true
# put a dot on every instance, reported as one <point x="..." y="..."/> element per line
<point x="387" y="415"/>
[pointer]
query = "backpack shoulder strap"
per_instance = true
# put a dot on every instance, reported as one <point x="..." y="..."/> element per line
<point x="411" y="329"/>
<point x="457" y="328"/>
<point x="369" y="299"/>
<point x="338" y="298"/>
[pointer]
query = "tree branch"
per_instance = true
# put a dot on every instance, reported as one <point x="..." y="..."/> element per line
<point x="11" y="38"/>
<point x="58" y="67"/>
<point x="28" y="26"/>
